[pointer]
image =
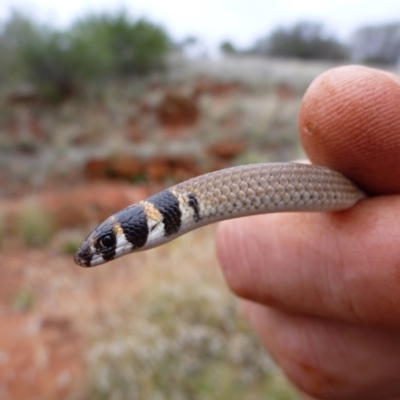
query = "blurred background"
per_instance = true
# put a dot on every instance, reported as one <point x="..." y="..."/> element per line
<point x="101" y="105"/>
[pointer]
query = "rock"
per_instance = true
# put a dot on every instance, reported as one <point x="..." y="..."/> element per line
<point x="125" y="167"/>
<point x="177" y="109"/>
<point x="178" y="168"/>
<point x="226" y="150"/>
<point x="96" y="168"/>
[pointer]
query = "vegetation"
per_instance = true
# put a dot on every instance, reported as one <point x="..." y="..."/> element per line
<point x="34" y="226"/>
<point x="377" y="44"/>
<point x="310" y="40"/>
<point x="304" y="40"/>
<point x="122" y="47"/>
<point x="70" y="246"/>
<point x="228" y="48"/>
<point x="181" y="337"/>
<point x="23" y="300"/>
<point x="96" y="46"/>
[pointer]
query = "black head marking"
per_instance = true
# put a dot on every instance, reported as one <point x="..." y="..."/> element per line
<point x="168" y="205"/>
<point x="133" y="222"/>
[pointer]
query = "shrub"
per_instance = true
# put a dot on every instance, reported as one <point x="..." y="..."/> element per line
<point x="15" y="32"/>
<point x="49" y="58"/>
<point x="123" y="47"/>
<point x="228" y="48"/>
<point x="34" y="226"/>
<point x="379" y="44"/>
<point x="58" y="62"/>
<point x="305" y="40"/>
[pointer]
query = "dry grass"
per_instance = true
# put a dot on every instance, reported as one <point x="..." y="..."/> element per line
<point x="34" y="226"/>
<point x="180" y="335"/>
<point x="157" y="325"/>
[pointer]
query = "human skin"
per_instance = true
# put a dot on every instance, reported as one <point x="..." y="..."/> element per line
<point x="322" y="290"/>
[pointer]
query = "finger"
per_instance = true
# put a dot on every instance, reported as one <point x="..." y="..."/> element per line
<point x="350" y="121"/>
<point x="329" y="359"/>
<point x="342" y="265"/>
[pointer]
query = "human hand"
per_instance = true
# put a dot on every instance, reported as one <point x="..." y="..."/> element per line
<point x="322" y="290"/>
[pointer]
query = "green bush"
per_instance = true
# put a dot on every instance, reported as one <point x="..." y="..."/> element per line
<point x="305" y="40"/>
<point x="58" y="62"/>
<point x="228" y="48"/>
<point x="15" y="33"/>
<point x="52" y="66"/>
<point x="377" y="44"/>
<point x="123" y="47"/>
<point x="49" y="58"/>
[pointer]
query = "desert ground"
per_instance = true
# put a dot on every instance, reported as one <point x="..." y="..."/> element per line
<point x="155" y="325"/>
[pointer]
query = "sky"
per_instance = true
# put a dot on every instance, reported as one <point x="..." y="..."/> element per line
<point x="241" y="21"/>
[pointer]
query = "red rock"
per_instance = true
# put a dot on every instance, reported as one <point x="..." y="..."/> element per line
<point x="177" y="109"/>
<point x="178" y="168"/>
<point x="226" y="150"/>
<point x="125" y="167"/>
<point x="96" y="168"/>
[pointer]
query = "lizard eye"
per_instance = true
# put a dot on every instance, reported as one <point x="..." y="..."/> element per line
<point x="107" y="241"/>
